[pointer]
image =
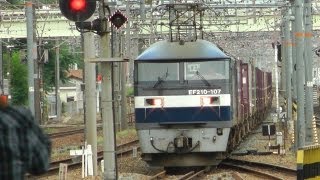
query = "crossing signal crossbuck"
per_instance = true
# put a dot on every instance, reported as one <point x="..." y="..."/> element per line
<point x="77" y="10"/>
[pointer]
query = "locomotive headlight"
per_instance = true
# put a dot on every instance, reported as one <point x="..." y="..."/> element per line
<point x="207" y="100"/>
<point x="158" y="102"/>
<point x="214" y="139"/>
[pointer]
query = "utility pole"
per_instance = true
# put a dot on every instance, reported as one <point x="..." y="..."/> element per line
<point x="37" y="74"/>
<point x="276" y="77"/>
<point x="57" y="79"/>
<point x="116" y="80"/>
<point x="299" y="36"/>
<point x="90" y="96"/>
<point x="171" y="19"/>
<point x="294" y="58"/>
<point x="283" y="57"/>
<point x="30" y="55"/>
<point x="308" y="72"/>
<point x="124" y="120"/>
<point x="294" y="77"/>
<point x="143" y="10"/>
<point x="128" y="45"/>
<point x="288" y="47"/>
<point x="109" y="143"/>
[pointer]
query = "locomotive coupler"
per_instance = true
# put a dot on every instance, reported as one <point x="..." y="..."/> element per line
<point x="181" y="142"/>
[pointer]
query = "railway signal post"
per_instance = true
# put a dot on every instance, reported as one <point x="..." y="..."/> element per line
<point x="109" y="143"/>
<point x="90" y="96"/>
<point x="79" y="11"/>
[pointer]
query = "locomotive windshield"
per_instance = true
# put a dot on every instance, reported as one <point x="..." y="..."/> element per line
<point x="178" y="77"/>
<point x="164" y="71"/>
<point x="208" y="70"/>
<point x="156" y="71"/>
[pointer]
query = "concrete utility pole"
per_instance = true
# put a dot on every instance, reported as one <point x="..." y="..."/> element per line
<point x="37" y="92"/>
<point x="123" y="75"/>
<point x="299" y="36"/>
<point x="288" y="48"/>
<point x="171" y="19"/>
<point x="124" y="124"/>
<point x="128" y="45"/>
<point x="116" y="80"/>
<point x="308" y="70"/>
<point x="294" y="58"/>
<point x="109" y="151"/>
<point x="276" y="77"/>
<point x="30" y="55"/>
<point x="57" y="79"/>
<point x="142" y="10"/>
<point x="283" y="57"/>
<point x="294" y="78"/>
<point x="90" y="96"/>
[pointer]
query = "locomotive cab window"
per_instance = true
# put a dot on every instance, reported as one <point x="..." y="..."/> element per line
<point x="153" y="72"/>
<point x="209" y="70"/>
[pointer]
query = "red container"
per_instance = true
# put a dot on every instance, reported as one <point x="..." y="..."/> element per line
<point x="259" y="93"/>
<point x="240" y="112"/>
<point x="252" y="89"/>
<point x="245" y="90"/>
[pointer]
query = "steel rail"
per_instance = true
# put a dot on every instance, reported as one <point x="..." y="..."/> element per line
<point x="246" y="166"/>
<point x="251" y="163"/>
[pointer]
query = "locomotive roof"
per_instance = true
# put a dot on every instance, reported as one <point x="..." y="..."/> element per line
<point x="198" y="50"/>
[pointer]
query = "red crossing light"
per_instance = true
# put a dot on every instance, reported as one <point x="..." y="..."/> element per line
<point x="78" y="5"/>
<point x="77" y="10"/>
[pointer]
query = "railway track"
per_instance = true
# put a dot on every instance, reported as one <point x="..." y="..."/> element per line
<point x="70" y="132"/>
<point x="188" y="176"/>
<point x="65" y="133"/>
<point x="81" y="130"/>
<point x="261" y="170"/>
<point x="122" y="149"/>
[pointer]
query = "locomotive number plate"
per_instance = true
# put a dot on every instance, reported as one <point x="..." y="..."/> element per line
<point x="204" y="91"/>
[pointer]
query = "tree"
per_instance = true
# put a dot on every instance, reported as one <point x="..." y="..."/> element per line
<point x="18" y="81"/>
<point x="66" y="60"/>
<point x="18" y="70"/>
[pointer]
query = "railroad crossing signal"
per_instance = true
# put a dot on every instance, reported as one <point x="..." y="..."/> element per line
<point x="118" y="19"/>
<point x="77" y="10"/>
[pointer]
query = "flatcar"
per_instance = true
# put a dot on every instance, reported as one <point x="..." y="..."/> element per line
<point x="193" y="102"/>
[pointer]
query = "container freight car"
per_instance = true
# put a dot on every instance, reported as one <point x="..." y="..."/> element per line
<point x="194" y="103"/>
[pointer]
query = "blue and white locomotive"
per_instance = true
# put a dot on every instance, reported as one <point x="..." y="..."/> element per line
<point x="183" y="105"/>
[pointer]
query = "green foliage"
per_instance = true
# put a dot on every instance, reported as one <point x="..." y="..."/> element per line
<point x="18" y="71"/>
<point x="18" y="81"/>
<point x="66" y="59"/>
<point x="15" y="2"/>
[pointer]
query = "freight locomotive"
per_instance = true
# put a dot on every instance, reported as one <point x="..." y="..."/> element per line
<point x="194" y="103"/>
